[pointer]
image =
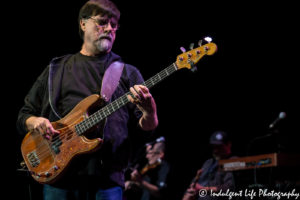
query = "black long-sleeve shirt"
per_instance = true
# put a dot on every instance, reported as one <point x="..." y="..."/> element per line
<point x="62" y="85"/>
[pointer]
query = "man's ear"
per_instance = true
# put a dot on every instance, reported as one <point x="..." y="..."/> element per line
<point x="161" y="155"/>
<point x="82" y="25"/>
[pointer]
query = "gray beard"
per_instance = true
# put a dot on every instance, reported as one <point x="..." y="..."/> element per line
<point x="104" y="45"/>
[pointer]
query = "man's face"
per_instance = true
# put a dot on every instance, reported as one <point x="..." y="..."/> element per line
<point x="100" y="33"/>
<point x="221" y="151"/>
<point x="153" y="155"/>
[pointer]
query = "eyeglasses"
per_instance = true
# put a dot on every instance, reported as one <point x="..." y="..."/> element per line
<point x="154" y="152"/>
<point x="103" y="23"/>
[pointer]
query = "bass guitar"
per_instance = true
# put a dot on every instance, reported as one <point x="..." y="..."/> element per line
<point x="47" y="159"/>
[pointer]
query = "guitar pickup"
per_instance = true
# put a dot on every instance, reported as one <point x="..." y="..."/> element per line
<point x="33" y="159"/>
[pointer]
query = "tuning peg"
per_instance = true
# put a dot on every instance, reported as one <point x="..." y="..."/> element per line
<point x="193" y="66"/>
<point x="191" y="46"/>
<point x="208" y="39"/>
<point x="182" y="49"/>
<point x="200" y="43"/>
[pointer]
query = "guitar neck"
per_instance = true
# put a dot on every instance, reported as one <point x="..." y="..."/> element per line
<point x="160" y="76"/>
<point x="107" y="110"/>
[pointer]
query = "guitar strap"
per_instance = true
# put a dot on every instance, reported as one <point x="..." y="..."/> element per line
<point x="111" y="79"/>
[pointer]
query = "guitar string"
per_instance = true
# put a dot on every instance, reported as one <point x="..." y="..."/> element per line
<point x="113" y="105"/>
<point x="58" y="139"/>
<point x="43" y="147"/>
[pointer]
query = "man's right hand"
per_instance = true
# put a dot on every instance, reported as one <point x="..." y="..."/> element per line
<point x="135" y="176"/>
<point x="41" y="125"/>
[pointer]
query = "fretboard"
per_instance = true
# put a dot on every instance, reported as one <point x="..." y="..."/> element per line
<point x="107" y="110"/>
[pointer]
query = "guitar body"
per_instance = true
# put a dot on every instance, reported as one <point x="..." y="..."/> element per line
<point x="47" y="159"/>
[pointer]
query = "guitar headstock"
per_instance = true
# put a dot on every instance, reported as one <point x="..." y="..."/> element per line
<point x="190" y="58"/>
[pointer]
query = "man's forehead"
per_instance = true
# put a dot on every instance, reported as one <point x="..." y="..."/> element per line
<point x="105" y="16"/>
<point x="156" y="146"/>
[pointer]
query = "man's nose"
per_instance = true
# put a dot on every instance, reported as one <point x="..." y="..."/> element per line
<point x="108" y="27"/>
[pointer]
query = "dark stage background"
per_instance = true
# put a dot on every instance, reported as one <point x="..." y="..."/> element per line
<point x="241" y="89"/>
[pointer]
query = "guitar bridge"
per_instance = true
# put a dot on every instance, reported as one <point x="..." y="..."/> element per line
<point x="33" y="159"/>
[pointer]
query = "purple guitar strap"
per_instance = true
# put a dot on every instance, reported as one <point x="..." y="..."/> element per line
<point x="111" y="80"/>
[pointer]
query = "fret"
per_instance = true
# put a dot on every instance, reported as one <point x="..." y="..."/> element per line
<point x="93" y="120"/>
<point x="160" y="76"/>
<point x="157" y="78"/>
<point x="105" y="111"/>
<point x="166" y="72"/>
<point x="122" y="99"/>
<point x="99" y="115"/>
<point x="117" y="102"/>
<point x="110" y="108"/>
<point x="83" y="126"/>
<point x="152" y="82"/>
<point x="115" y="105"/>
<point x="78" y="129"/>
<point x="163" y="74"/>
<point x="125" y="99"/>
<point x="88" y="123"/>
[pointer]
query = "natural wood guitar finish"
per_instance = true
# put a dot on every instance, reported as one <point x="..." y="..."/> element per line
<point x="47" y="159"/>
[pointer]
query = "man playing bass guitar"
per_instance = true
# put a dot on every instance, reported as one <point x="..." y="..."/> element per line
<point x="70" y="83"/>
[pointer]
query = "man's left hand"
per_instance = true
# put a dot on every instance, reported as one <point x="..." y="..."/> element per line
<point x="142" y="98"/>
